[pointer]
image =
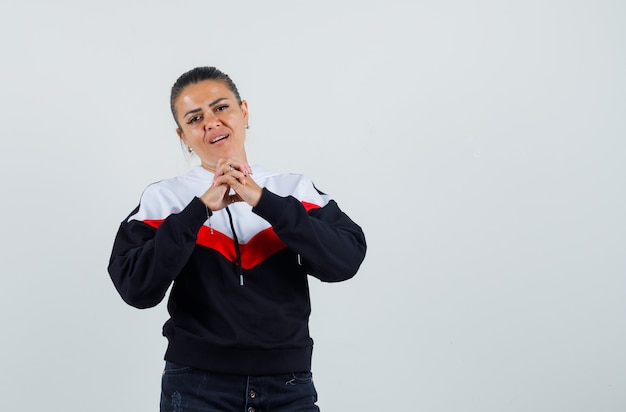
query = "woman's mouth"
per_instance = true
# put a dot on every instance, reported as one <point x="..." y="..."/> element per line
<point x="219" y="138"/>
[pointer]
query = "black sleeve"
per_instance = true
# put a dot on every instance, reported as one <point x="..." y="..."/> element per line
<point x="145" y="260"/>
<point x="331" y="244"/>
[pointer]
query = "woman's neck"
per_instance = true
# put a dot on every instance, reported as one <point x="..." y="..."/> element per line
<point x="209" y="168"/>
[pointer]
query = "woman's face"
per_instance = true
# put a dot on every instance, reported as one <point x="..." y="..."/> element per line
<point x="212" y="122"/>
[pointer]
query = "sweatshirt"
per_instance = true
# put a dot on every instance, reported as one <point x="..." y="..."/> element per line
<point x="239" y="300"/>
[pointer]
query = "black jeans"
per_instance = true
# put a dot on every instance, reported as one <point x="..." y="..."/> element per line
<point x="184" y="389"/>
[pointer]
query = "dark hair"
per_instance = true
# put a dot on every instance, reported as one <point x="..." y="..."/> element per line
<point x="198" y="75"/>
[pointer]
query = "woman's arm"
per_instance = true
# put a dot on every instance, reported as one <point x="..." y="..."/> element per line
<point x="148" y="255"/>
<point x="331" y="244"/>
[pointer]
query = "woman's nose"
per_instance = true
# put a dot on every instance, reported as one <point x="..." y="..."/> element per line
<point x="211" y="121"/>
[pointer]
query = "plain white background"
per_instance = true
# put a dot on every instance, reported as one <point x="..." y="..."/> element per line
<point x="479" y="144"/>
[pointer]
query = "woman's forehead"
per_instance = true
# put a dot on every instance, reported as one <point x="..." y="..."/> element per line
<point x="203" y="92"/>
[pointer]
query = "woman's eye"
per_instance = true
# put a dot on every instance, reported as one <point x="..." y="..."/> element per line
<point x="221" y="108"/>
<point x="194" y="119"/>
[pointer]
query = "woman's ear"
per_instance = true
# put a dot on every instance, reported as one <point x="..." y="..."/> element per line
<point x="244" y="109"/>
<point x="180" y="134"/>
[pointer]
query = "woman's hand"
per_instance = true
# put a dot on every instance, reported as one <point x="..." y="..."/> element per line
<point x="231" y="173"/>
<point x="216" y="198"/>
<point x="226" y="166"/>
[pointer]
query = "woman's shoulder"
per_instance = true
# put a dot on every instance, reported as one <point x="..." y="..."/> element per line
<point x="292" y="184"/>
<point x="191" y="178"/>
<point x="176" y="191"/>
<point x="265" y="176"/>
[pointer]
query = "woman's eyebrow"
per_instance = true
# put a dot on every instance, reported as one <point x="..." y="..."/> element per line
<point x="193" y="111"/>
<point x="217" y="101"/>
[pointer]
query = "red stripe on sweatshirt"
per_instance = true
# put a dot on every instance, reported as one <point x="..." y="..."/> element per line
<point x="308" y="206"/>
<point x="262" y="245"/>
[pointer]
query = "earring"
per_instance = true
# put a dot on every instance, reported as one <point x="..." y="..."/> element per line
<point x="247" y="126"/>
<point x="189" y="149"/>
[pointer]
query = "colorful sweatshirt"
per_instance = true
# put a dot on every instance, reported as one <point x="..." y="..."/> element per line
<point x="239" y="302"/>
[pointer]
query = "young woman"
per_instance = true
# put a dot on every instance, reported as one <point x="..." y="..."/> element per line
<point x="238" y="242"/>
